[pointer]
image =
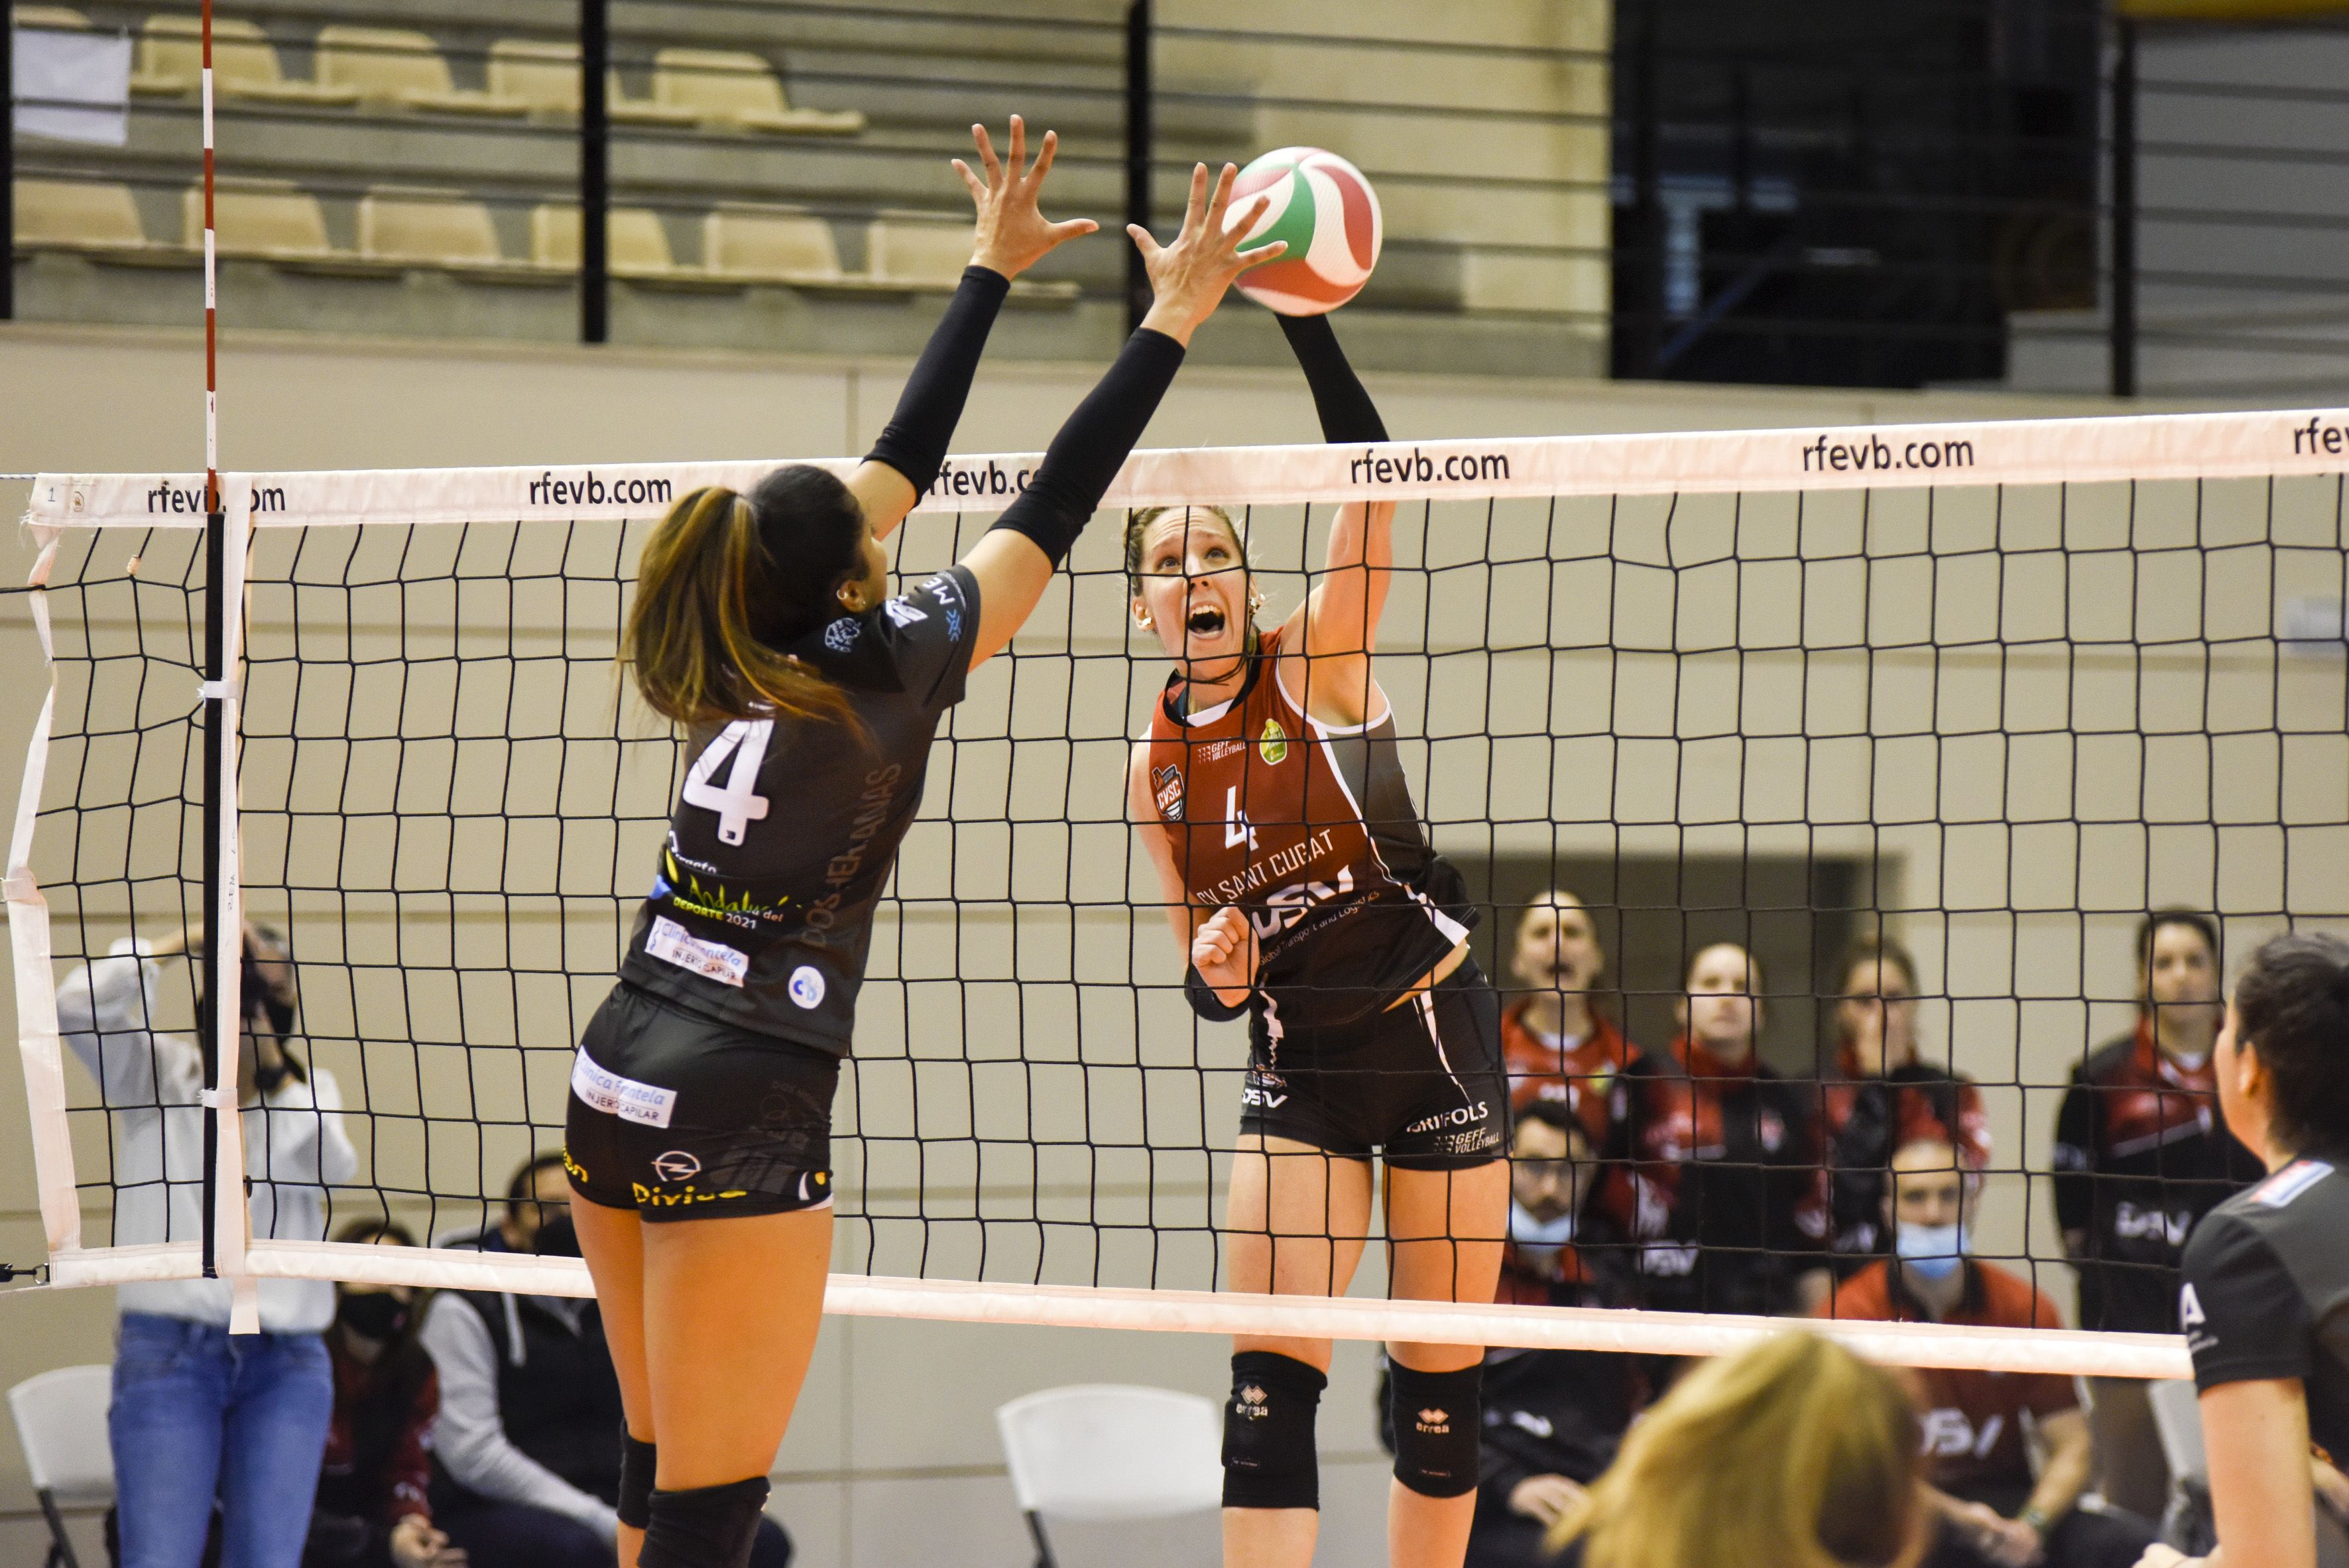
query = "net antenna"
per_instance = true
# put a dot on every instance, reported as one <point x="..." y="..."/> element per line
<point x="354" y="571"/>
<point x="227" y="1213"/>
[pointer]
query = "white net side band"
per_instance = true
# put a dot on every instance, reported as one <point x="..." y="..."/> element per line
<point x="2013" y="453"/>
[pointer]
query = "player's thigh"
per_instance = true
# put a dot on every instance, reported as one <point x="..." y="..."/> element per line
<point x="1295" y="1223"/>
<point x="613" y="1241"/>
<point x="1446" y="1231"/>
<point x="731" y="1309"/>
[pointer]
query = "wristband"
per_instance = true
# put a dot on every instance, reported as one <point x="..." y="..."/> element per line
<point x="2036" y="1518"/>
<point x="1204" y="1000"/>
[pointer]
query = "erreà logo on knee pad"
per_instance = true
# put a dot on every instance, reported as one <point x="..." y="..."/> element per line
<point x="1250" y="1403"/>
<point x="1437" y="1422"/>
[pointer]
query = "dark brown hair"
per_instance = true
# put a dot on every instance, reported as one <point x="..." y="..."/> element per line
<point x="2292" y="1007"/>
<point x="1137" y="523"/>
<point x="2201" y="924"/>
<point x="726" y="581"/>
<point x="1878" y="949"/>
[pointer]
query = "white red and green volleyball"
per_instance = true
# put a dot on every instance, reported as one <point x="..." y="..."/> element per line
<point x="1328" y="214"/>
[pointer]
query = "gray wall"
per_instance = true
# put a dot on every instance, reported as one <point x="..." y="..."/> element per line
<point x="1588" y="723"/>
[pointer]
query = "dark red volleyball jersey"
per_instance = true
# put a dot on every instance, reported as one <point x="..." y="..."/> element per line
<point x="1309" y="829"/>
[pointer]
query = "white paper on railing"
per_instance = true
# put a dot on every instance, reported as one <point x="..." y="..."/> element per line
<point x="2000" y="452"/>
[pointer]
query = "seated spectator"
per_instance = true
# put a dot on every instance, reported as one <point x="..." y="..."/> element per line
<point x="1794" y="1453"/>
<point x="373" y="1509"/>
<point x="1989" y="1511"/>
<point x="2140" y="1156"/>
<point x="198" y="1418"/>
<point x="1881" y="1096"/>
<point x="1722" y="1200"/>
<point x="526" y="1447"/>
<point x="1552" y="1417"/>
<point x="1556" y="1042"/>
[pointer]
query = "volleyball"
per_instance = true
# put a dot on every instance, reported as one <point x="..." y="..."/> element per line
<point x="1328" y="214"/>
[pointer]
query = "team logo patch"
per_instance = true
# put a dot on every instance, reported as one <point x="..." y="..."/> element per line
<point x="1251" y="1403"/>
<point x="675" y="1165"/>
<point x="1168" y="781"/>
<point x="1273" y="744"/>
<point x="842" y="635"/>
<point x="1436" y="1421"/>
<point x="806" y="986"/>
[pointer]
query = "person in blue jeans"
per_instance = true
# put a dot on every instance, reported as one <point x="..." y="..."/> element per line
<point x="200" y="1418"/>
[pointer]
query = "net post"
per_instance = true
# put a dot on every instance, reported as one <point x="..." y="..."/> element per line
<point x="1138" y="155"/>
<point x="595" y="172"/>
<point x="8" y="173"/>
<point x="2124" y="324"/>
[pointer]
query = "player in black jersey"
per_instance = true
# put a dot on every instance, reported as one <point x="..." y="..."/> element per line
<point x="1301" y="884"/>
<point x="2265" y="1302"/>
<point x="700" y="1110"/>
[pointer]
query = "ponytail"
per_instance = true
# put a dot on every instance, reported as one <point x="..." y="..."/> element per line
<point x="712" y="603"/>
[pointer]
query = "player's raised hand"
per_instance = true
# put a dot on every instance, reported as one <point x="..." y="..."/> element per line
<point x="1013" y="234"/>
<point x="1224" y="951"/>
<point x="1189" y="276"/>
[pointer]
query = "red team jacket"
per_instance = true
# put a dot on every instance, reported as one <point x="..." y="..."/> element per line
<point x="1587" y="1077"/>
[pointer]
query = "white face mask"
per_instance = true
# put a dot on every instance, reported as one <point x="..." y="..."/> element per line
<point x="1933" y="1251"/>
<point x="1540" y="1240"/>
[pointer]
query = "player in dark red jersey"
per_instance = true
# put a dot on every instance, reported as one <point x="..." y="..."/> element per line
<point x="2265" y="1298"/>
<point x="1303" y="892"/>
<point x="699" y="1128"/>
<point x="1991" y="1511"/>
<point x="1558" y="1045"/>
<point x="1881" y="1095"/>
<point x="1723" y="1196"/>
<point x="2140" y="1156"/>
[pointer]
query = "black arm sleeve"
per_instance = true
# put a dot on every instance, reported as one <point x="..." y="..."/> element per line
<point x="915" y="441"/>
<point x="1093" y="445"/>
<point x="1346" y="413"/>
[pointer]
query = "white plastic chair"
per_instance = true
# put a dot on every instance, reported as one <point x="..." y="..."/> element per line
<point x="2178" y="1420"/>
<point x="61" y="1422"/>
<point x="1111" y="1451"/>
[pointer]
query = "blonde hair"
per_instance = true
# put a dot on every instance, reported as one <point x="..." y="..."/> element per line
<point x="691" y="642"/>
<point x="1794" y="1453"/>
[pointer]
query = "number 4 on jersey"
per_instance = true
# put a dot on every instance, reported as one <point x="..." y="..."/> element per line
<point x="1238" y="830"/>
<point x="737" y="805"/>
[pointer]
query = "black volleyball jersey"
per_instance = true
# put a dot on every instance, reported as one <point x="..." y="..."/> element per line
<point x="761" y="908"/>
<point x="2266" y="1290"/>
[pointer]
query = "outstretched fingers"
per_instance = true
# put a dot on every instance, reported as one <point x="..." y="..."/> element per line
<point x="1019" y="158"/>
<point x="1143" y="242"/>
<point x="1044" y="158"/>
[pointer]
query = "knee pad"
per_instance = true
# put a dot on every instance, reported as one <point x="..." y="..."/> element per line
<point x="637" y="1463"/>
<point x="706" y="1527"/>
<point x="1437" y="1417"/>
<point x="1268" y="1455"/>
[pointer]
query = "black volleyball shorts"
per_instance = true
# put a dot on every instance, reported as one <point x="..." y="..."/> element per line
<point x="1421" y="1084"/>
<point x="680" y="1117"/>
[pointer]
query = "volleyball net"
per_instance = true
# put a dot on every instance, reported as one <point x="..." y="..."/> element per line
<point x="1994" y="690"/>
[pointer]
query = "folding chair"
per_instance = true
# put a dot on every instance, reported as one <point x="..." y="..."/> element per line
<point x="1111" y="1451"/>
<point x="61" y="1422"/>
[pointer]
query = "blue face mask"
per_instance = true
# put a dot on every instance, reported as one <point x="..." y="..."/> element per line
<point x="1540" y="1240"/>
<point x="1933" y="1251"/>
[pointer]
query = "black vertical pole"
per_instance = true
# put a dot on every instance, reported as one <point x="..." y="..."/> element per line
<point x="1648" y="261"/>
<point x="8" y="172"/>
<point x="209" y="968"/>
<point x="595" y="172"/>
<point x="1138" y="155"/>
<point x="2123" y="235"/>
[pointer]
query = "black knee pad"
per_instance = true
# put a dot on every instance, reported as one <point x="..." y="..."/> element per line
<point x="637" y="1463"/>
<point x="707" y="1527"/>
<point x="1437" y="1417"/>
<point x="1268" y="1456"/>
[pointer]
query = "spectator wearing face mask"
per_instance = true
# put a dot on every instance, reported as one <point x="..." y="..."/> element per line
<point x="1990" y="1512"/>
<point x="526" y="1447"/>
<point x="1557" y="1044"/>
<point x="1552" y="1417"/>
<point x="374" y="1508"/>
